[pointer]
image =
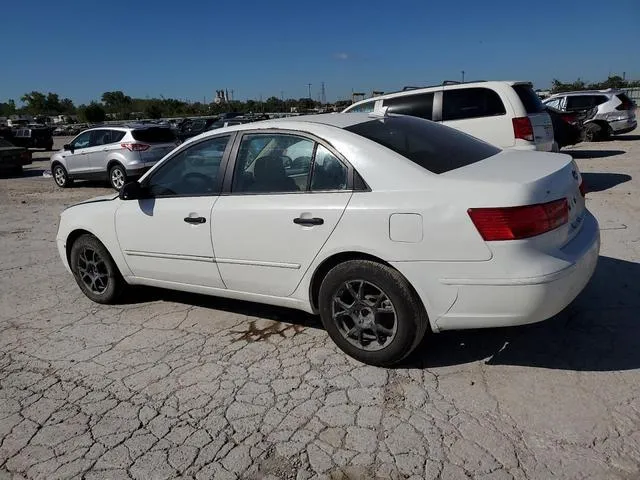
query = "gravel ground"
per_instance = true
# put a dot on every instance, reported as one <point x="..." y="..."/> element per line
<point x="171" y="384"/>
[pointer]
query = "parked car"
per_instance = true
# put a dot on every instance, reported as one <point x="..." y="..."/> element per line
<point x="505" y="114"/>
<point x="615" y="111"/>
<point x="191" y="127"/>
<point x="34" y="137"/>
<point x="113" y="153"/>
<point x="387" y="226"/>
<point x="568" y="127"/>
<point x="12" y="158"/>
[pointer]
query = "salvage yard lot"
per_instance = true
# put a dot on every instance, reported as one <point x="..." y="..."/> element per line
<point x="171" y="384"/>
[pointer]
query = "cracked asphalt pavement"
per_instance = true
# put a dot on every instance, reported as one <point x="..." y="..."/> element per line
<point x="170" y="385"/>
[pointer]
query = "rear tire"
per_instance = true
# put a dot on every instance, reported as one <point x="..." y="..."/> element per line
<point x="117" y="177"/>
<point x="94" y="270"/>
<point x="371" y="312"/>
<point x="593" y="132"/>
<point x="60" y="176"/>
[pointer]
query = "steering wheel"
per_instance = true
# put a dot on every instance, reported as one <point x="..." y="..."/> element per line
<point x="198" y="181"/>
<point x="286" y="161"/>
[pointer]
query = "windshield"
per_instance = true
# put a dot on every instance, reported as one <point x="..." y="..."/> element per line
<point x="434" y="147"/>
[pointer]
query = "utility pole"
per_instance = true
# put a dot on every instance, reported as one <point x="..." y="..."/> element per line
<point x="309" y="85"/>
<point x="462" y="76"/>
<point x="323" y="96"/>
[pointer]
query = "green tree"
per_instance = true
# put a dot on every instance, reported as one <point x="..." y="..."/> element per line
<point x="93" y="113"/>
<point x="67" y="107"/>
<point x="153" y="110"/>
<point x="35" y="102"/>
<point x="7" y="108"/>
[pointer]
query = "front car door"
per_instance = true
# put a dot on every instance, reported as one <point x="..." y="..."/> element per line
<point x="166" y="237"/>
<point x="76" y="158"/>
<point x="286" y="194"/>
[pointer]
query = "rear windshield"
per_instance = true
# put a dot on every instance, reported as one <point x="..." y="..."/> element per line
<point x="434" y="147"/>
<point x="154" y="135"/>
<point x="529" y="98"/>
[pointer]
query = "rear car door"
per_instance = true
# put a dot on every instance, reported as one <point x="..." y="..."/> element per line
<point x="480" y="112"/>
<point x="287" y="192"/>
<point x="76" y="158"/>
<point x="166" y="237"/>
<point x="103" y="141"/>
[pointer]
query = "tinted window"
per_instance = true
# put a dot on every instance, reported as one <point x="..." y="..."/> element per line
<point x="100" y="137"/>
<point x="193" y="171"/>
<point x="576" y="102"/>
<point x="116" y="135"/>
<point x="415" y="105"/>
<point x="154" y="135"/>
<point x="366" y="107"/>
<point x="272" y="163"/>
<point x="329" y="173"/>
<point x="529" y="98"/>
<point x="471" y="103"/>
<point x="432" y="146"/>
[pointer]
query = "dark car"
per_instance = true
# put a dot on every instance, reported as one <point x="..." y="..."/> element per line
<point x="34" y="137"/>
<point x="568" y="127"/>
<point x="12" y="158"/>
<point x="191" y="127"/>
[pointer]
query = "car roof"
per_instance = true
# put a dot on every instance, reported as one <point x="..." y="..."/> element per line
<point x="446" y="86"/>
<point x="338" y="120"/>
<point x="126" y="126"/>
<point x="609" y="91"/>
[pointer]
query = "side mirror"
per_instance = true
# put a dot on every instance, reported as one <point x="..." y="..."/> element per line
<point x="132" y="191"/>
<point x="68" y="146"/>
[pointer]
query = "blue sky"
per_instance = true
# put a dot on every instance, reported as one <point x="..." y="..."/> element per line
<point x="187" y="50"/>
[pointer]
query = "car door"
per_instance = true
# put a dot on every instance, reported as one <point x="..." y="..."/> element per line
<point x="277" y="213"/>
<point x="166" y="236"/>
<point x="102" y="141"/>
<point x="76" y="157"/>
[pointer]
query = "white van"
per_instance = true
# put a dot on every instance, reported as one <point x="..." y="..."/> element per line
<point x="505" y="114"/>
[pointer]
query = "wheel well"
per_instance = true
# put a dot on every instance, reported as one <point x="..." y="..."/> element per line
<point x="328" y="264"/>
<point x="113" y="163"/>
<point x="73" y="236"/>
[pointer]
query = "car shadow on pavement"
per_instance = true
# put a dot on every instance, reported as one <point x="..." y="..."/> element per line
<point x="594" y="153"/>
<point x="33" y="172"/>
<point x="140" y="294"/>
<point x="599" y="331"/>
<point x="597" y="181"/>
<point x="626" y="137"/>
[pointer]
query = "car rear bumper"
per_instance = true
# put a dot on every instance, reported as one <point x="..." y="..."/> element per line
<point x="485" y="300"/>
<point x="623" y="126"/>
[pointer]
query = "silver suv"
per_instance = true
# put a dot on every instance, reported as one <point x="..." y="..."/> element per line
<point x="113" y="153"/>
<point x="615" y="112"/>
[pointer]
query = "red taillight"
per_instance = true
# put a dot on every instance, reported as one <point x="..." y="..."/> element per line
<point x="135" y="147"/>
<point x="569" y="118"/>
<point x="583" y="189"/>
<point x="522" y="128"/>
<point x="625" y="105"/>
<point x="515" y="223"/>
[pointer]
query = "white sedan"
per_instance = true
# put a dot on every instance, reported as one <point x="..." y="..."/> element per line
<point x="387" y="226"/>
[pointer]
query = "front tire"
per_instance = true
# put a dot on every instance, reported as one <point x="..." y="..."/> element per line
<point x="371" y="312"/>
<point x="60" y="176"/>
<point x="117" y="177"/>
<point x="94" y="270"/>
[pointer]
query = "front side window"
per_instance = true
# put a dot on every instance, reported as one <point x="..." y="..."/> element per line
<point x="193" y="171"/>
<point x="272" y="163"/>
<point x="82" y="141"/>
<point x="465" y="103"/>
<point x="415" y="105"/>
<point x="366" y="107"/>
<point x="329" y="173"/>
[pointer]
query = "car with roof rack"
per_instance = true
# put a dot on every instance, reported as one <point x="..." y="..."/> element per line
<point x="116" y="153"/>
<point x="507" y="114"/>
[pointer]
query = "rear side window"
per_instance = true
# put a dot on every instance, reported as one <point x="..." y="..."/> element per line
<point x="529" y="98"/>
<point x="154" y="135"/>
<point x="576" y="102"/>
<point x="363" y="108"/>
<point x="414" y="105"/>
<point x="433" y="146"/>
<point x="471" y="103"/>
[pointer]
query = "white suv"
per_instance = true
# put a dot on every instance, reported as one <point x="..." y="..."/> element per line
<point x="115" y="153"/>
<point x="615" y="111"/>
<point x="505" y="114"/>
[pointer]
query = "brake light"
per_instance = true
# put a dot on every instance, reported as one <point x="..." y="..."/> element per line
<point x="515" y="223"/>
<point x="135" y="147"/>
<point x="522" y="128"/>
<point x="570" y="118"/>
<point x="583" y="189"/>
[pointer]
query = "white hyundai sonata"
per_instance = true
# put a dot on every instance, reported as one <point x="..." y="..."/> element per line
<point x="387" y="226"/>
